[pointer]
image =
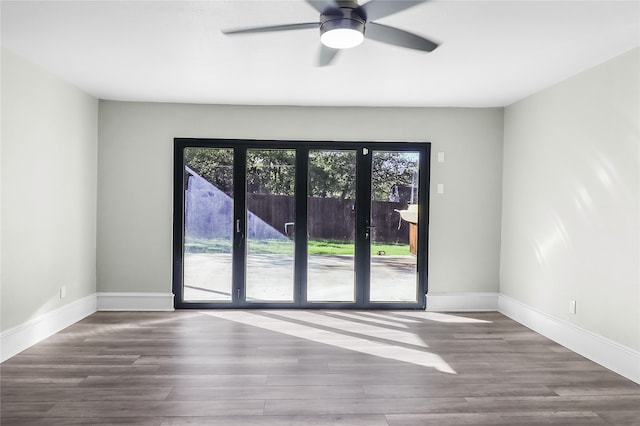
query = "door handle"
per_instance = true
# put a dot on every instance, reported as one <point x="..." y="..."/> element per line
<point x="239" y="232"/>
<point x="367" y="232"/>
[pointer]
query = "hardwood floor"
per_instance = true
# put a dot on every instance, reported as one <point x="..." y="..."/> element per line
<point x="308" y="368"/>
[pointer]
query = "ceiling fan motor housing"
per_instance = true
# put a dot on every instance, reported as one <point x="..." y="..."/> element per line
<point x="341" y="18"/>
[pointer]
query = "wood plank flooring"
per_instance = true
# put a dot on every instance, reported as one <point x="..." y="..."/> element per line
<point x="308" y="368"/>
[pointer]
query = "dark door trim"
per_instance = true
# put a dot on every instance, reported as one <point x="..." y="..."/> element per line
<point x="363" y="168"/>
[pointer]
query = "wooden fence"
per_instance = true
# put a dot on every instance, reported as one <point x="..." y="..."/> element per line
<point x="330" y="218"/>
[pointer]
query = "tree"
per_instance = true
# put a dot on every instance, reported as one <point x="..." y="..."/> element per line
<point x="271" y="171"/>
<point x="389" y="169"/>
<point x="213" y="164"/>
<point x="332" y="173"/>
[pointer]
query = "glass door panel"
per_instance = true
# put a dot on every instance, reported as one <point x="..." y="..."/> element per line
<point x="270" y="248"/>
<point x="306" y="224"/>
<point x="394" y="229"/>
<point x="208" y="225"/>
<point x="331" y="225"/>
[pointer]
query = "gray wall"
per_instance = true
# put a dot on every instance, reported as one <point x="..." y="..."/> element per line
<point x="49" y="183"/>
<point x="135" y="180"/>
<point x="569" y="207"/>
<point x="570" y="200"/>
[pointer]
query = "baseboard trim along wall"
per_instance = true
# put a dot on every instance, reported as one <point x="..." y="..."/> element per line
<point x="609" y="354"/>
<point x="462" y="302"/>
<point x="135" y="301"/>
<point x="17" y="339"/>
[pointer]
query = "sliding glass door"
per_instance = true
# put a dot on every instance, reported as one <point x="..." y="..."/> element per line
<point x="394" y="261"/>
<point x="270" y="248"/>
<point x="331" y="226"/>
<point x="208" y="224"/>
<point x="300" y="224"/>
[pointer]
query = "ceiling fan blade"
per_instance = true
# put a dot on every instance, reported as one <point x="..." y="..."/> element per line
<point x="327" y="55"/>
<point x="397" y="37"/>
<point x="286" y="27"/>
<point x="376" y="9"/>
<point x="321" y="5"/>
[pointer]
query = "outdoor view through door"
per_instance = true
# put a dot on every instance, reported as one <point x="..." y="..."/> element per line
<point x="300" y="224"/>
<point x="331" y="226"/>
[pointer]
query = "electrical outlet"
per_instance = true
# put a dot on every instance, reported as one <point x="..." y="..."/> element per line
<point x="572" y="307"/>
<point x="63" y="291"/>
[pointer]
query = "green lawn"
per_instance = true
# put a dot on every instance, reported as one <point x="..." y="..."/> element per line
<point x="287" y="247"/>
<point x="342" y="247"/>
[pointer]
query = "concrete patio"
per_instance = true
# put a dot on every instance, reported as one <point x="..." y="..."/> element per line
<point x="330" y="278"/>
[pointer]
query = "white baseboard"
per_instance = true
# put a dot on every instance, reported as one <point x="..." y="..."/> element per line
<point x="135" y="301"/>
<point x="17" y="339"/>
<point x="461" y="302"/>
<point x="609" y="354"/>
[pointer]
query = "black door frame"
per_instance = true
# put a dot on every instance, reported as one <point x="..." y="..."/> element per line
<point x="363" y="168"/>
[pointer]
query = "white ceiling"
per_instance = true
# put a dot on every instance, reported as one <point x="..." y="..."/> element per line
<point x="492" y="53"/>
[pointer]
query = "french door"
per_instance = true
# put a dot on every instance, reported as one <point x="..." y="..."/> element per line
<point x="270" y="224"/>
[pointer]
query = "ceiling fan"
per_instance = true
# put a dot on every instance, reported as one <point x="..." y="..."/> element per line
<point x="344" y="24"/>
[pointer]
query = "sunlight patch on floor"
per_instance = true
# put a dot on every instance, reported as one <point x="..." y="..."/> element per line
<point x="380" y="319"/>
<point x="448" y="318"/>
<point x="88" y="330"/>
<point x="314" y="328"/>
<point x="349" y="326"/>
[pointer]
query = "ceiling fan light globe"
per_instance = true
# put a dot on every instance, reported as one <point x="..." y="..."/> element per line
<point x="342" y="38"/>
